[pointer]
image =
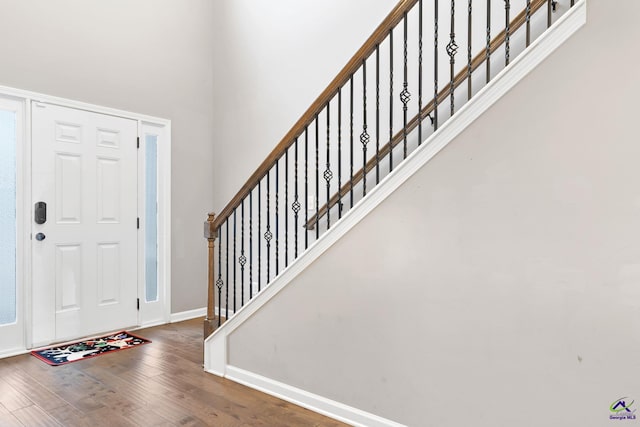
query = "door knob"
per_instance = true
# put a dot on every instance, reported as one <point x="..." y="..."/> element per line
<point x="40" y="237"/>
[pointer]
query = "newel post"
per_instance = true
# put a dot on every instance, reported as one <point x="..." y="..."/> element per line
<point x="210" y="234"/>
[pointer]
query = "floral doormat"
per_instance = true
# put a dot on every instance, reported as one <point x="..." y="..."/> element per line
<point x="86" y="349"/>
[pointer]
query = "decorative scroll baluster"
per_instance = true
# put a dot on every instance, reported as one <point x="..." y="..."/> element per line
<point x="507" y="32"/>
<point x="364" y="136"/>
<point x="419" y="72"/>
<point x="327" y="172"/>
<point x="405" y="96"/>
<point x="339" y="153"/>
<point x="391" y="97"/>
<point x="528" y="19"/>
<point x="226" y="288"/>
<point x="452" y="49"/>
<point x="487" y="56"/>
<point x="268" y="235"/>
<point x="243" y="259"/>
<point x="296" y="202"/>
<point x="351" y="140"/>
<point x="435" y="66"/>
<point x="220" y="282"/>
<point x="306" y="183"/>
<point x="234" y="262"/>
<point x="469" y="70"/>
<point x="377" y="114"/>
<point x="317" y="198"/>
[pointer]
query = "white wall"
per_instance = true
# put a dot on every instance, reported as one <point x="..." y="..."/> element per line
<point x="499" y="285"/>
<point x="149" y="56"/>
<point x="272" y="60"/>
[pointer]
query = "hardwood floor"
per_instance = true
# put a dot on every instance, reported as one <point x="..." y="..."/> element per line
<point x="159" y="384"/>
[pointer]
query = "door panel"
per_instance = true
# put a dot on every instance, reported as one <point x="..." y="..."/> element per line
<point x="85" y="268"/>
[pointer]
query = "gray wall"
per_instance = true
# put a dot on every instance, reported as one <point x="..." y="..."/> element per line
<point x="211" y="67"/>
<point x="500" y="285"/>
<point x="148" y="56"/>
<point x="272" y="61"/>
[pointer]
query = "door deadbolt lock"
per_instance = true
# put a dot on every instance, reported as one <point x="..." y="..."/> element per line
<point x="40" y="213"/>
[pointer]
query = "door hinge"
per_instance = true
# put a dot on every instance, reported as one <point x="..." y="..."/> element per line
<point x="138" y="223"/>
<point x="138" y="304"/>
<point x="138" y="142"/>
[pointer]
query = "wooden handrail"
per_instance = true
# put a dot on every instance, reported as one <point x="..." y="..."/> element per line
<point x="307" y="118"/>
<point x="476" y="62"/>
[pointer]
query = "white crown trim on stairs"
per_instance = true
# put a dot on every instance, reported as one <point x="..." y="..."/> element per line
<point x="216" y="345"/>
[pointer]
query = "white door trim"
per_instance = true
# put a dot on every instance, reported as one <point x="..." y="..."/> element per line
<point x="25" y="209"/>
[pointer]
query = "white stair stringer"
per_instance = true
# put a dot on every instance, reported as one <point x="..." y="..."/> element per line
<point x="215" y="347"/>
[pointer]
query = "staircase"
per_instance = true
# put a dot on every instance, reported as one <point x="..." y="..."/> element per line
<point x="427" y="72"/>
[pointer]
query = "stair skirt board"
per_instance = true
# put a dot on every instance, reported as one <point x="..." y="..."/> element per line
<point x="216" y="344"/>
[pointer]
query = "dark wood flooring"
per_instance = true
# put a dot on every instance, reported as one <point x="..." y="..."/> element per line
<point x="159" y="384"/>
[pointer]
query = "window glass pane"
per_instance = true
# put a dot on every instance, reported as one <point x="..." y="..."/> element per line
<point x="7" y="217"/>
<point x="151" y="218"/>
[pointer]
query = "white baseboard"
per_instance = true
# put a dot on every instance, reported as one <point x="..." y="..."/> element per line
<point x="14" y="352"/>
<point x="192" y="314"/>
<point x="319" y="404"/>
<point x="188" y="315"/>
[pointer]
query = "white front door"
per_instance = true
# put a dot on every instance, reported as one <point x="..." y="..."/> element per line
<point x="84" y="253"/>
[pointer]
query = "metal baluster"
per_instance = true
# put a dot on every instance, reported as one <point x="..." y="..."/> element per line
<point x="573" y="2"/>
<point x="452" y="49"/>
<point x="277" y="219"/>
<point x="268" y="235"/>
<point x="528" y="18"/>
<point x="296" y="203"/>
<point x="420" y="72"/>
<point x="226" y="288"/>
<point x="286" y="203"/>
<point x="469" y="28"/>
<point x="487" y="54"/>
<point x="306" y="184"/>
<point x="549" y="7"/>
<point x="243" y="258"/>
<point x="405" y="96"/>
<point x="391" y="98"/>
<point x="234" y="261"/>
<point x="317" y="221"/>
<point x="377" y="114"/>
<point x="507" y="32"/>
<point x="339" y="153"/>
<point x="220" y="282"/>
<point x="351" y="138"/>
<point x="364" y="136"/>
<point x="327" y="173"/>
<point x="435" y="66"/>
<point x="259" y="234"/>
